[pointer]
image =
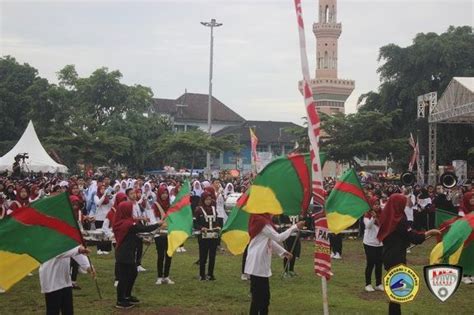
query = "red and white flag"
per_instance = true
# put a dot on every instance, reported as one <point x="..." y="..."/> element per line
<point x="414" y="156"/>
<point x="322" y="258"/>
<point x="322" y="251"/>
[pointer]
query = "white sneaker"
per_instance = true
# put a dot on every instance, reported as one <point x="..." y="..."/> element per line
<point x="99" y="252"/>
<point x="2" y="291"/>
<point x="244" y="277"/>
<point x="116" y="283"/>
<point x="332" y="255"/>
<point x="183" y="250"/>
<point x="369" y="288"/>
<point x="379" y="288"/>
<point x="466" y="280"/>
<point x="167" y="280"/>
<point x="408" y="251"/>
<point x="178" y="250"/>
<point x="159" y="281"/>
<point x="30" y="274"/>
<point x="105" y="253"/>
<point x="140" y="269"/>
<point x="337" y="256"/>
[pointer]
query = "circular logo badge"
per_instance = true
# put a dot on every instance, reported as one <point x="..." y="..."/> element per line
<point x="401" y="284"/>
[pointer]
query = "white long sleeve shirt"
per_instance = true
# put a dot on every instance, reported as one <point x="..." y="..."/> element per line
<point x="259" y="255"/>
<point x="54" y="273"/>
<point x="370" y="233"/>
<point x="101" y="208"/>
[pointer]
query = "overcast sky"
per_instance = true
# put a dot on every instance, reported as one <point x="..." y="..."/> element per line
<point x="161" y="44"/>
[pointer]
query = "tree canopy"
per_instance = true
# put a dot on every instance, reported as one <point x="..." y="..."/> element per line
<point x="94" y="120"/>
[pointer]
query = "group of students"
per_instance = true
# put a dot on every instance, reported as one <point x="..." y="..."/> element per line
<point x="128" y="208"/>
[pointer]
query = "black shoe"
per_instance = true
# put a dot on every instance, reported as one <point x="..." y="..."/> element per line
<point x="211" y="278"/>
<point x="124" y="305"/>
<point x="202" y="278"/>
<point x="133" y="300"/>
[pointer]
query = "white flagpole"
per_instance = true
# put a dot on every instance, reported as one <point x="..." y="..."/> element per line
<point x="313" y="133"/>
<point x="324" y="287"/>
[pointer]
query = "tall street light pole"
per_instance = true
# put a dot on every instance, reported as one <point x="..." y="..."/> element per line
<point x="211" y="24"/>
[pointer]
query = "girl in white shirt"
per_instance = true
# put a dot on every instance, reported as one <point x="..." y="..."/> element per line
<point x="103" y="205"/>
<point x="373" y="247"/>
<point x="263" y="240"/>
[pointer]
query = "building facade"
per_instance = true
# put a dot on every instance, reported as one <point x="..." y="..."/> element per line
<point x="189" y="111"/>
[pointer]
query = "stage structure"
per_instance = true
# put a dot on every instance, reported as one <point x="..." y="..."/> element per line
<point x="456" y="106"/>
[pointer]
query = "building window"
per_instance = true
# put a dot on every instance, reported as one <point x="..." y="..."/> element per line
<point x="326" y="60"/>
<point x="326" y="15"/>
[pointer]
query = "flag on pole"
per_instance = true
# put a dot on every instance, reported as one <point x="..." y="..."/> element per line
<point x="314" y="125"/>
<point x="235" y="231"/>
<point x="346" y="202"/>
<point x="458" y="237"/>
<point x="253" y="146"/>
<point x="283" y="186"/>
<point x="179" y="218"/>
<point x="322" y="253"/>
<point x="33" y="235"/>
<point x="413" y="144"/>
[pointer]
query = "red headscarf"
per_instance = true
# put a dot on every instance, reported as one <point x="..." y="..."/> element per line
<point x="466" y="205"/>
<point x="119" y="198"/>
<point x="392" y="214"/>
<point x="165" y="204"/>
<point x="123" y="221"/>
<point x="100" y="194"/>
<point x="23" y="201"/>
<point x="257" y="222"/>
<point x="211" y="191"/>
<point x="34" y="192"/>
<point x="372" y="202"/>
<point x="206" y="208"/>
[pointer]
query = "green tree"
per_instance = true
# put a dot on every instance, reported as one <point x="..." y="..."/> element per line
<point x="427" y="65"/>
<point x="188" y="149"/>
<point x="357" y="135"/>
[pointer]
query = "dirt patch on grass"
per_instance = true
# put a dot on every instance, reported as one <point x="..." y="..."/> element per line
<point x="372" y="296"/>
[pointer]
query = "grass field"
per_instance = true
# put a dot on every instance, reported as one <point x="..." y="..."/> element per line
<point x="230" y="295"/>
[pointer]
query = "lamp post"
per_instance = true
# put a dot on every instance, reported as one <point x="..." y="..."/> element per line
<point x="211" y="24"/>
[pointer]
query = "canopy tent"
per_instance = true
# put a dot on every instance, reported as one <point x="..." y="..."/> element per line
<point x="38" y="161"/>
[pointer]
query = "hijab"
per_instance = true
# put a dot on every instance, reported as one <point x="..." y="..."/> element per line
<point x="372" y="203"/>
<point x="197" y="189"/>
<point x="392" y="214"/>
<point x="23" y="201"/>
<point x="123" y="221"/>
<point x="257" y="222"/>
<point x="229" y="189"/>
<point x="100" y="194"/>
<point x="466" y="205"/>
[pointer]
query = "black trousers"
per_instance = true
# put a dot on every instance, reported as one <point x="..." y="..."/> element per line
<point x="127" y="273"/>
<point x="373" y="255"/>
<point x="296" y="251"/>
<point x="139" y="253"/>
<point x="74" y="270"/>
<point x="59" y="302"/>
<point x="207" y="248"/>
<point x="335" y="241"/>
<point x="163" y="263"/>
<point x="244" y="258"/>
<point x="260" y="289"/>
<point x="105" y="246"/>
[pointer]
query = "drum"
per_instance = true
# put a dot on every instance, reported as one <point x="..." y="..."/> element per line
<point x="231" y="201"/>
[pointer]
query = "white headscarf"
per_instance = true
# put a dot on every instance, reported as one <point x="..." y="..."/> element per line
<point x="205" y="184"/>
<point x="197" y="191"/>
<point x="229" y="189"/>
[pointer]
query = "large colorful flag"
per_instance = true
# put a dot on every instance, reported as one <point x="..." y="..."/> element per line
<point x="346" y="202"/>
<point x="253" y="146"/>
<point x="283" y="186"/>
<point x="179" y="218"/>
<point x="322" y="252"/>
<point x="235" y="231"/>
<point x="455" y="240"/>
<point x="33" y="235"/>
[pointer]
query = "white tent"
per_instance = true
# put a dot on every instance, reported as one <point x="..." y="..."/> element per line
<point x="39" y="160"/>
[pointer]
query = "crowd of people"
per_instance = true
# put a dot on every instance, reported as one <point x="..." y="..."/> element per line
<point x="125" y="209"/>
